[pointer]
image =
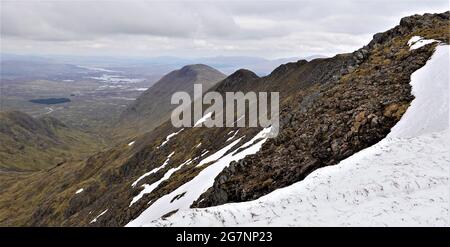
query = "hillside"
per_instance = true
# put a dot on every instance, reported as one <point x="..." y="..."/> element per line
<point x="28" y="143"/>
<point x="330" y="110"/>
<point x="153" y="106"/>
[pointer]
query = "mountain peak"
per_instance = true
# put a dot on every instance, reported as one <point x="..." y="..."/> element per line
<point x="244" y="73"/>
<point x="153" y="107"/>
<point x="236" y="80"/>
<point x="197" y="68"/>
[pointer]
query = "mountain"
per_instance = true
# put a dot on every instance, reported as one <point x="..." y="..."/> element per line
<point x="331" y="121"/>
<point x="153" y="106"/>
<point x="390" y="179"/>
<point x="331" y="111"/>
<point x="28" y="143"/>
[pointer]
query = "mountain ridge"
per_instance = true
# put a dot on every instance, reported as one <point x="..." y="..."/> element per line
<point x="153" y="106"/>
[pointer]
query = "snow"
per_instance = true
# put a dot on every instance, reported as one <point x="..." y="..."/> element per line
<point x="203" y="119"/>
<point x="148" y="188"/>
<point x="79" y="191"/>
<point x="217" y="154"/>
<point x="262" y="134"/>
<point x="185" y="195"/>
<point x="401" y="181"/>
<point x="394" y="183"/>
<point x="204" y="152"/>
<point x="433" y="115"/>
<point x="198" y="145"/>
<point x="169" y="137"/>
<point x="232" y="137"/>
<point x="154" y="170"/>
<point x="413" y="40"/>
<point x="131" y="143"/>
<point x="98" y="216"/>
<point x="416" y="42"/>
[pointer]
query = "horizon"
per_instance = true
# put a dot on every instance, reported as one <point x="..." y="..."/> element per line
<point x="46" y="55"/>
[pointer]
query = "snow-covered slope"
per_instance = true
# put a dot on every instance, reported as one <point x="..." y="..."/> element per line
<point x="401" y="181"/>
<point x="185" y="195"/>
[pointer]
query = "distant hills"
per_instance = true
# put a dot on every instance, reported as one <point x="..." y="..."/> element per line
<point x="153" y="65"/>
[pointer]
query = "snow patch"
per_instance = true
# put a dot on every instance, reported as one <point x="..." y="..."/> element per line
<point x="148" y="188"/>
<point x="169" y="137"/>
<point x="204" y="152"/>
<point x="131" y="143"/>
<point x="429" y="111"/>
<point x="232" y="137"/>
<point x="215" y="156"/>
<point x="186" y="194"/>
<point x="98" y="216"/>
<point x="79" y="191"/>
<point x="203" y="119"/>
<point x="262" y="134"/>
<point x="416" y="42"/>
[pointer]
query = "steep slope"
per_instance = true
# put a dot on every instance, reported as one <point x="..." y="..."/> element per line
<point x="401" y="181"/>
<point x="153" y="107"/>
<point x="330" y="121"/>
<point x="330" y="109"/>
<point x="327" y="124"/>
<point x="32" y="144"/>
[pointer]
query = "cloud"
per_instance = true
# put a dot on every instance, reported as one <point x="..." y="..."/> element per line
<point x="198" y="28"/>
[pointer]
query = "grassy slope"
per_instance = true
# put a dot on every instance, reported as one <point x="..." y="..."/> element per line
<point x="34" y="144"/>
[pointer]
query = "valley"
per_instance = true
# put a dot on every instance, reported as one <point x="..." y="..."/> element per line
<point x="93" y="97"/>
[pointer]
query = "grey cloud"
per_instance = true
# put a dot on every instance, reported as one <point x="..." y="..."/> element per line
<point x="244" y="27"/>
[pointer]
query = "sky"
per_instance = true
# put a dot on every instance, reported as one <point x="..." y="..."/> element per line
<point x="148" y="28"/>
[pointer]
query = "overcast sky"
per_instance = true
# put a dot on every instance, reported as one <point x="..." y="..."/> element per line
<point x="270" y="29"/>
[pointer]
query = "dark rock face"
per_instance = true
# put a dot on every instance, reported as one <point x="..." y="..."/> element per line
<point x="324" y="125"/>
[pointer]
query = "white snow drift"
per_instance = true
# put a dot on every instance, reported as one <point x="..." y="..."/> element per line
<point x="169" y="137"/>
<point x="185" y="195"/>
<point x="154" y="170"/>
<point x="416" y="42"/>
